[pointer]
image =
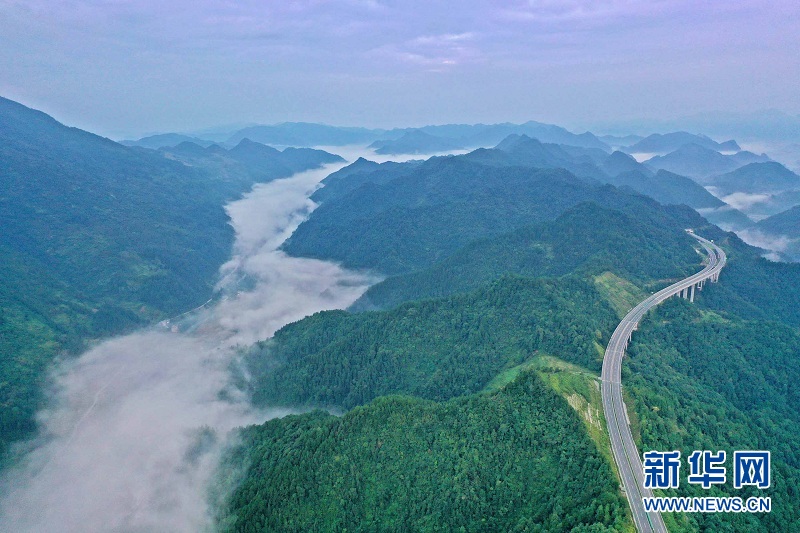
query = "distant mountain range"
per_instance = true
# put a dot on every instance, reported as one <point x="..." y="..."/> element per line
<point x="523" y="179"/>
<point x="416" y="142"/>
<point x="663" y="144"/>
<point x="783" y="229"/>
<point x="785" y="223"/>
<point x="166" y="139"/>
<point x="251" y="161"/>
<point x="754" y="178"/>
<point x="427" y="139"/>
<point x="700" y="163"/>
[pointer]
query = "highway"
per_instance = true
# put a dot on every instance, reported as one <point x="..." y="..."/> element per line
<point x="626" y="455"/>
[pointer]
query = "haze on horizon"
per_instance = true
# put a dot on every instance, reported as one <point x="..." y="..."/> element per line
<point x="129" y="68"/>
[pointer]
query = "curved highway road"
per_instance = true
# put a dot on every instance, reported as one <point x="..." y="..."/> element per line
<point x="625" y="453"/>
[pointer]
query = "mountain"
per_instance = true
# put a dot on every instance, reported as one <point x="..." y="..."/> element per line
<point x="548" y="133"/>
<point x="485" y="462"/>
<point x="457" y="324"/>
<point x="786" y="223"/>
<point x="783" y="229"/>
<point x="726" y="217"/>
<point x="415" y="142"/>
<point x="667" y="188"/>
<point x="455" y="135"/>
<point x="358" y="173"/>
<point x="766" y="205"/>
<point x="249" y="161"/>
<point x="700" y="163"/>
<point x="768" y="177"/>
<point x="421" y="216"/>
<point x="587" y="239"/>
<point x="619" y="162"/>
<point x="413" y="216"/>
<point x="697" y="376"/>
<point x="305" y="134"/>
<point x="521" y="150"/>
<point x="166" y="139"/>
<point x="97" y="238"/>
<point x="669" y="142"/>
<point x="620" y="140"/>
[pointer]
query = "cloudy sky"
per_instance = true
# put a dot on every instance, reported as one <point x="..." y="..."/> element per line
<point x="120" y="67"/>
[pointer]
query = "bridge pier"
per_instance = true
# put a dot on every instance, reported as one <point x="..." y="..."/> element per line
<point x="691" y="295"/>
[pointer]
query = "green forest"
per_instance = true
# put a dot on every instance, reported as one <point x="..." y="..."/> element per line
<point x="516" y="459"/>
<point x="701" y="380"/>
<point x="434" y="349"/>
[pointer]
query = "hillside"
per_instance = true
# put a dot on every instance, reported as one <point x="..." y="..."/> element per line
<point x="667" y="188"/>
<point x="420" y="217"/>
<point x="435" y="349"/>
<point x="516" y="459"/>
<point x="686" y="374"/>
<point x="701" y="163"/>
<point x="415" y="142"/>
<point x="768" y="177"/>
<point x="669" y="142"/>
<point x="785" y="223"/>
<point x="455" y="328"/>
<point x="97" y="238"/>
<point x="162" y="140"/>
<point x="361" y="172"/>
<point x="784" y="227"/>
<point x="587" y="239"/>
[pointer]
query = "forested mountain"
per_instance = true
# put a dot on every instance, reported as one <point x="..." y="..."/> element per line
<point x="517" y="459"/>
<point x="669" y="142"/>
<point x="768" y="177"/>
<point x="96" y="238"/>
<point x="435" y="349"/>
<point x="415" y="142"/>
<point x="425" y="215"/>
<point x="667" y="188"/>
<point x="784" y="226"/>
<point x="700" y="163"/>
<point x="785" y="223"/>
<point x="587" y="239"/>
<point x="509" y="269"/>
<point x="248" y="162"/>
<point x="521" y="150"/>
<point x="755" y="288"/>
<point x="415" y="215"/>
<point x="165" y="140"/>
<point x="704" y="381"/>
<point x="360" y="172"/>
<point x="305" y="134"/>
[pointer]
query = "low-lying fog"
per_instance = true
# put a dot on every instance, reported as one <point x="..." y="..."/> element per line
<point x="136" y="425"/>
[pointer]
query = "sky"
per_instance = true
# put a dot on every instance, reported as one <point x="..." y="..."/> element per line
<point x="128" y="68"/>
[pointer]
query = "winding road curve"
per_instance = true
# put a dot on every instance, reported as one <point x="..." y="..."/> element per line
<point x="625" y="452"/>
